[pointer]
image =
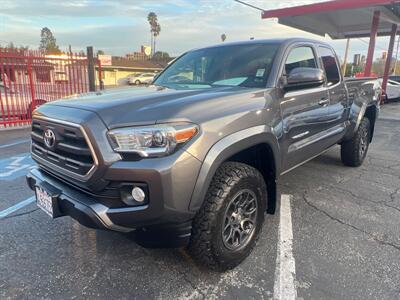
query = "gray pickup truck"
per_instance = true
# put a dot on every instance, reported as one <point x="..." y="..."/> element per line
<point x="193" y="159"/>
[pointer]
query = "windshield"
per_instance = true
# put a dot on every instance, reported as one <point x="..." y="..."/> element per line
<point x="235" y="65"/>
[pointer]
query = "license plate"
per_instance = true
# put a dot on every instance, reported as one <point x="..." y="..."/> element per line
<point x="45" y="201"/>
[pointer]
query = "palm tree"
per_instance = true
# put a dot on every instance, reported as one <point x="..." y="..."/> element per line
<point x="223" y="37"/>
<point x="156" y="32"/>
<point x="155" y="29"/>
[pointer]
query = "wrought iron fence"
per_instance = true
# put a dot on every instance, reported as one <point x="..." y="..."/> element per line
<point x="31" y="78"/>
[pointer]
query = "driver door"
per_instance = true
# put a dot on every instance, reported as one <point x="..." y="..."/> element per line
<point x="305" y="112"/>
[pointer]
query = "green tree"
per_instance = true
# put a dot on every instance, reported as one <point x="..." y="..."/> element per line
<point x="155" y="29"/>
<point x="161" y="56"/>
<point x="48" y="42"/>
<point x="100" y="52"/>
<point x="12" y="46"/>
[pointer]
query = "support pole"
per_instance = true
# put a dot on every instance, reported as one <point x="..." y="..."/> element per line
<point x="389" y="57"/>
<point x="397" y="55"/>
<point x="372" y="41"/>
<point x="90" y="61"/>
<point x="346" y="54"/>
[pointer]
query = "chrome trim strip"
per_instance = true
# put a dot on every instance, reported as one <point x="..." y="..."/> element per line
<point x="316" y="138"/>
<point x="300" y="135"/>
<point x="62" y="170"/>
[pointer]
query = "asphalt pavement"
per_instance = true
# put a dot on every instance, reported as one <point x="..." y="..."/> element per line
<point x="345" y="238"/>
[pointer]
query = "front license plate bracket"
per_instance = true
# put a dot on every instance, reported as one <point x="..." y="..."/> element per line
<point x="49" y="199"/>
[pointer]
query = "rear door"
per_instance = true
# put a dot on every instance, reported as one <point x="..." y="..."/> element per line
<point x="305" y="111"/>
<point x="338" y="103"/>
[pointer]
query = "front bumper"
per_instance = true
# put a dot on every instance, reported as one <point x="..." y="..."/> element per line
<point x="90" y="212"/>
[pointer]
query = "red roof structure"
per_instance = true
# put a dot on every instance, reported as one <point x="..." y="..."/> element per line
<point x="345" y="19"/>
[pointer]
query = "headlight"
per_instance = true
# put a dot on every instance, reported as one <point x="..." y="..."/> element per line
<point x="151" y="141"/>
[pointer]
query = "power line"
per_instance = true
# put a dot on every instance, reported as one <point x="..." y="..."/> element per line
<point x="249" y="5"/>
<point x="376" y="46"/>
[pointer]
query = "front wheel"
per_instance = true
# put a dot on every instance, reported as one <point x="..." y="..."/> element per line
<point x="354" y="151"/>
<point x="227" y="226"/>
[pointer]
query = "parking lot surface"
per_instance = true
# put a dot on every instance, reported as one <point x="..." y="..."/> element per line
<point x="345" y="223"/>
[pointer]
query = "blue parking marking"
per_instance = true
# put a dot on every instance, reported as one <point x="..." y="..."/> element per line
<point x="15" y="166"/>
<point x="14" y="143"/>
<point x="14" y="208"/>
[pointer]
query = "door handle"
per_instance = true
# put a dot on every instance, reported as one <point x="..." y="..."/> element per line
<point x="323" y="102"/>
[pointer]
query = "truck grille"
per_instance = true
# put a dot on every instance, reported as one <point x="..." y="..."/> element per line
<point x="69" y="151"/>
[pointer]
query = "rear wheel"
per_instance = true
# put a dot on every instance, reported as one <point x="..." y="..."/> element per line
<point x="226" y="228"/>
<point x="353" y="151"/>
<point x="137" y="82"/>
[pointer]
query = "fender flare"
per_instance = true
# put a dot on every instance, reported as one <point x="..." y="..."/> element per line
<point x="225" y="148"/>
<point x="358" y="117"/>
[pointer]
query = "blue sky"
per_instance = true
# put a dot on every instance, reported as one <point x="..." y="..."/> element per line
<point x="120" y="26"/>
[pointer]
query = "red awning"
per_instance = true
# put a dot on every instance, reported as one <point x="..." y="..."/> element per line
<point x="341" y="18"/>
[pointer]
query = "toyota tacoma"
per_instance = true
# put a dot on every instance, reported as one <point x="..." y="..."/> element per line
<point x="194" y="158"/>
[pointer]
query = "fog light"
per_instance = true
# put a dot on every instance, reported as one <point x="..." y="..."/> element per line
<point x="138" y="194"/>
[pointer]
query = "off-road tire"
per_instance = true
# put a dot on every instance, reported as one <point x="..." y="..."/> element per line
<point x="351" y="150"/>
<point x="206" y="245"/>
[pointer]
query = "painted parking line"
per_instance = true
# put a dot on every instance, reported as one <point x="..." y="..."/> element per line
<point x="14" y="208"/>
<point x="15" y="143"/>
<point x="15" y="166"/>
<point x="285" y="273"/>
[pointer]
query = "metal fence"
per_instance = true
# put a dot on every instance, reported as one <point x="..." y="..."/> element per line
<point x="31" y="78"/>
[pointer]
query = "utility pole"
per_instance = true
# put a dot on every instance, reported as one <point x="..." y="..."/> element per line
<point x="397" y="54"/>
<point x="90" y="59"/>
<point x="346" y="54"/>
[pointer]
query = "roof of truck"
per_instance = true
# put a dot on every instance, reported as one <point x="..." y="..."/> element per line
<point x="282" y="41"/>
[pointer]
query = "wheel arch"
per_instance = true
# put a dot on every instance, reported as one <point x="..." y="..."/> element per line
<point x="371" y="113"/>
<point x="256" y="146"/>
<point x="369" y="110"/>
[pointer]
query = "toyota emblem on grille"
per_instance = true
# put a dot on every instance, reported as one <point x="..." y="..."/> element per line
<point x="49" y="138"/>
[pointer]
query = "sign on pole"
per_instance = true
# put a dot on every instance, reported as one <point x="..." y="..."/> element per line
<point x="105" y="60"/>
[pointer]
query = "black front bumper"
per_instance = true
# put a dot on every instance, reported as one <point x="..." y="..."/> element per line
<point x="88" y="211"/>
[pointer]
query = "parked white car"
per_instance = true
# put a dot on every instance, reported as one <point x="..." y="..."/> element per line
<point x="144" y="78"/>
<point x="392" y="90"/>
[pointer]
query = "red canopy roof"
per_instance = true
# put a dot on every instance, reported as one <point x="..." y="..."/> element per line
<point x="340" y="18"/>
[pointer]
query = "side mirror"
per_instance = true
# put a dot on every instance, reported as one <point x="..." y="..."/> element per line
<point x="300" y="78"/>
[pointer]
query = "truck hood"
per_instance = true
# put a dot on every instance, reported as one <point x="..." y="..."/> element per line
<point x="148" y="105"/>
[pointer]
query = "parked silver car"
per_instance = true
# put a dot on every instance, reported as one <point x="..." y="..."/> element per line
<point x="139" y="79"/>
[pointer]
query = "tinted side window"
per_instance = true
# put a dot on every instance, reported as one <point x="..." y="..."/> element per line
<point x="300" y="57"/>
<point x="330" y="65"/>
